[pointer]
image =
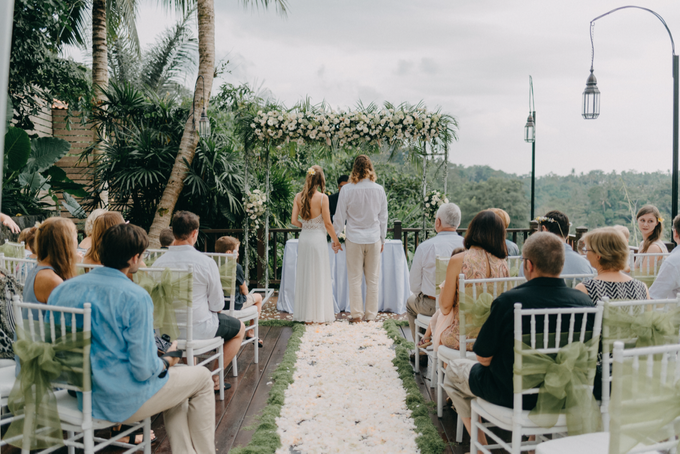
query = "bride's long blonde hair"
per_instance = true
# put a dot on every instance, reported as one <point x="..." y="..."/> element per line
<point x="315" y="179"/>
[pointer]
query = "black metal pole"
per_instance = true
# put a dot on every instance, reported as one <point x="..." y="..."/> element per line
<point x="533" y="167"/>
<point x="674" y="190"/>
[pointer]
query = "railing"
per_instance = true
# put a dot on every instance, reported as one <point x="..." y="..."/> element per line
<point x="410" y="237"/>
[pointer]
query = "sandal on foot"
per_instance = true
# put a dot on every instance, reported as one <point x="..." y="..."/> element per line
<point x="132" y="438"/>
<point x="226" y="387"/>
<point x="260" y="344"/>
<point x="424" y="343"/>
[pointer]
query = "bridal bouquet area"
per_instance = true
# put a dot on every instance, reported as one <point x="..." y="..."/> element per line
<point x="346" y="394"/>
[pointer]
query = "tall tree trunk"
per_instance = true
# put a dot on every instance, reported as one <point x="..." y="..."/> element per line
<point x="187" y="146"/>
<point x="100" y="70"/>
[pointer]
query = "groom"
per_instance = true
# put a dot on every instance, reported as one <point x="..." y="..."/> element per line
<point x="363" y="204"/>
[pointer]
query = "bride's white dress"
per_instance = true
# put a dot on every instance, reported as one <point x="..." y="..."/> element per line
<point x="313" y="287"/>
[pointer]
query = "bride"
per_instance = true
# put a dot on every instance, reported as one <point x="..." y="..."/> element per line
<point x="313" y="287"/>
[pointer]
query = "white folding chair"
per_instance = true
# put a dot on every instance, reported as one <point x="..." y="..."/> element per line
<point x="645" y="267"/>
<point x="514" y="264"/>
<point x="423" y="321"/>
<point x="473" y="288"/>
<point x="572" y="280"/>
<point x="610" y="335"/>
<point x="227" y="266"/>
<point x="660" y="375"/>
<point x="19" y="267"/>
<point x="184" y="315"/>
<point x="153" y="255"/>
<point x="14" y="250"/>
<point x="61" y="323"/>
<point x="516" y="419"/>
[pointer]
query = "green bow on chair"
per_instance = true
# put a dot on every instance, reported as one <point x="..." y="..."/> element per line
<point x="566" y="385"/>
<point x="650" y="327"/>
<point x="13" y="250"/>
<point x="227" y="271"/>
<point x="165" y="295"/>
<point x="645" y="407"/>
<point x="32" y="395"/>
<point x="475" y="313"/>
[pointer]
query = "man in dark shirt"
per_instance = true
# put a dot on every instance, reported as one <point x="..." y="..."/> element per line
<point x="491" y="377"/>
<point x="333" y="198"/>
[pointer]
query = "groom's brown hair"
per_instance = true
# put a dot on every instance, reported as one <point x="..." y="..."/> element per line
<point x="363" y="168"/>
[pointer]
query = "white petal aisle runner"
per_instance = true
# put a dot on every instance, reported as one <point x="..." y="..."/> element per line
<point x="346" y="396"/>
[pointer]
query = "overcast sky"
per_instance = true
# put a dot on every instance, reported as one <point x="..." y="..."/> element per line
<point x="473" y="59"/>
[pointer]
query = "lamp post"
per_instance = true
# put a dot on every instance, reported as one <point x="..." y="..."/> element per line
<point x="591" y="99"/>
<point x="530" y="136"/>
<point x="203" y="122"/>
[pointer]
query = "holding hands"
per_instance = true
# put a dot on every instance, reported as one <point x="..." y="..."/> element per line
<point x="337" y="247"/>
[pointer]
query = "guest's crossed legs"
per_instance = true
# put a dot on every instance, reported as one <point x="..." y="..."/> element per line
<point x="457" y="387"/>
<point x="363" y="259"/>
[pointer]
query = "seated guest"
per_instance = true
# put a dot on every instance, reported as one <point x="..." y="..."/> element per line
<point x="333" y="198"/>
<point x="650" y="224"/>
<point x="56" y="244"/>
<point x="208" y="298"/>
<point x="607" y="252"/>
<point x="623" y="230"/>
<point x="100" y="225"/>
<point x="228" y="245"/>
<point x="558" y="223"/>
<point x="423" y="269"/>
<point x="166" y="238"/>
<point x="85" y="245"/>
<point x="491" y="378"/>
<point x="27" y="236"/>
<point x="667" y="283"/>
<point x="129" y="381"/>
<point x="513" y="249"/>
<point x="484" y="258"/>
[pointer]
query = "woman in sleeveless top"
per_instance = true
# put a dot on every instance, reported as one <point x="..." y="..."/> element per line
<point x="650" y="224"/>
<point x="56" y="243"/>
<point x="484" y="258"/>
<point x="607" y="252"/>
<point x="313" y="284"/>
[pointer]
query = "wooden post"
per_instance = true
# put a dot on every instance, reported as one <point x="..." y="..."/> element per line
<point x="261" y="248"/>
<point x="397" y="230"/>
<point x="246" y="189"/>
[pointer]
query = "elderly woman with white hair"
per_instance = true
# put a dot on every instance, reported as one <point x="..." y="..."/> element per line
<point x="85" y="245"/>
<point x="423" y="268"/>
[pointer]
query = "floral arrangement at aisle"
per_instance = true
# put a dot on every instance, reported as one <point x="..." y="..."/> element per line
<point x="394" y="126"/>
<point x="255" y="203"/>
<point x="432" y="202"/>
<point x="346" y="395"/>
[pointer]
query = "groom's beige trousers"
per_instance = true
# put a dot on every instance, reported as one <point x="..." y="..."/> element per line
<point x="363" y="259"/>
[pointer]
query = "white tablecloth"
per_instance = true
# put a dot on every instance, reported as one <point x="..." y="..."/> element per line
<point x="393" y="290"/>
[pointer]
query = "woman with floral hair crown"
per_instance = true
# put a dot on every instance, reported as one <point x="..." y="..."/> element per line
<point x="313" y="285"/>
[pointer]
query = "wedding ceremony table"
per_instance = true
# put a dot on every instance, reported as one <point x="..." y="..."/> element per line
<point x="393" y="289"/>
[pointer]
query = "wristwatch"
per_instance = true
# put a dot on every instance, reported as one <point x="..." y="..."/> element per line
<point x="164" y="372"/>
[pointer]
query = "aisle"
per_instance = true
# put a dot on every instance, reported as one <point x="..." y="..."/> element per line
<point x="347" y="395"/>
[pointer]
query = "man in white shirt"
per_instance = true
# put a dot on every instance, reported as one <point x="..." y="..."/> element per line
<point x="208" y="298"/>
<point x="667" y="283"/>
<point x="363" y="204"/>
<point x="423" y="268"/>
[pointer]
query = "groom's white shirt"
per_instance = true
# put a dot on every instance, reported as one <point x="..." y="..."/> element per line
<point x="364" y="206"/>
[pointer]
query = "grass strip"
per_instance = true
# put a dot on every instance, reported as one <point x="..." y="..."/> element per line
<point x="285" y="323"/>
<point x="428" y="440"/>
<point x="265" y="439"/>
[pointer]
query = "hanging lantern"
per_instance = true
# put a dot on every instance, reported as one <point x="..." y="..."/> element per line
<point x="591" y="98"/>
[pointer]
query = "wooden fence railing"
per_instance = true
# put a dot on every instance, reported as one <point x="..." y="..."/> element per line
<point x="410" y="237"/>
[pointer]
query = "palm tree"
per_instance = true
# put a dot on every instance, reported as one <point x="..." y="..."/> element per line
<point x="206" y="68"/>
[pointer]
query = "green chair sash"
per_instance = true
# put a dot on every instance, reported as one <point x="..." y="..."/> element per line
<point x="566" y="381"/>
<point x="651" y="327"/>
<point x="476" y="312"/>
<point x="12" y="250"/>
<point x="32" y="396"/>
<point x="168" y="295"/>
<point x="227" y="275"/>
<point x="646" y="405"/>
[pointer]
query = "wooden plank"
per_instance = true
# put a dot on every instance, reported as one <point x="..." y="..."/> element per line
<point x="259" y="400"/>
<point x="232" y="421"/>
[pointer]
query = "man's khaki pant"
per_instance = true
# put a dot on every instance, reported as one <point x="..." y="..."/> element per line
<point x="363" y="259"/>
<point x="418" y="304"/>
<point x="187" y="401"/>
<point x="457" y="385"/>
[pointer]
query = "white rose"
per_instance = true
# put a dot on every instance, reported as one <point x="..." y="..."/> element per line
<point x="427" y="205"/>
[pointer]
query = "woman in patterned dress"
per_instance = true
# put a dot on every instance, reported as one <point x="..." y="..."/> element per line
<point x="607" y="252"/>
<point x="484" y="258"/>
